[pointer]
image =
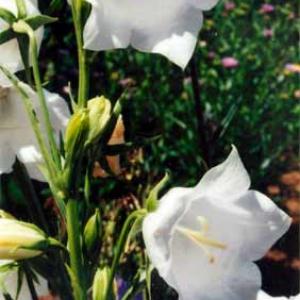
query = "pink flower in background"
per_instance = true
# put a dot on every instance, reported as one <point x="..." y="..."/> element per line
<point x="230" y="62"/>
<point x="229" y="6"/>
<point x="268" y="32"/>
<point x="267" y="8"/>
<point x="292" y="68"/>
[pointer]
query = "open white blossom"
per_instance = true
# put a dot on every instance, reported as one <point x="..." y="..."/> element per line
<point x="264" y="296"/>
<point x="10" y="56"/>
<point x="168" y="27"/>
<point x="203" y="240"/>
<point x="17" y="138"/>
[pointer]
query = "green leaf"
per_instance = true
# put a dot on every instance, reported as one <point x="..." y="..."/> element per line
<point x="7" y="16"/>
<point x="40" y="20"/>
<point x="75" y="284"/>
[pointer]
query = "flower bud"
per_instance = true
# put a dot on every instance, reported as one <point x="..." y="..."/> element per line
<point x="99" y="114"/>
<point x="100" y="283"/>
<point x="76" y="131"/>
<point x="92" y="231"/>
<point x="18" y="239"/>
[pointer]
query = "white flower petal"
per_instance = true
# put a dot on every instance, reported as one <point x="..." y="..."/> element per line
<point x="226" y="181"/>
<point x="263" y="226"/>
<point x="59" y="111"/>
<point x="167" y="27"/>
<point x="12" y="111"/>
<point x="7" y="157"/>
<point x="205" y="5"/>
<point x="27" y="150"/>
<point x="10" y="54"/>
<point x="264" y="296"/>
<point x="16" y="134"/>
<point x="158" y="225"/>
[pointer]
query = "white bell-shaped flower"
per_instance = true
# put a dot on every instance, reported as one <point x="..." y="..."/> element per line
<point x="168" y="27"/>
<point x="203" y="240"/>
<point x="264" y="296"/>
<point x="10" y="56"/>
<point x="17" y="138"/>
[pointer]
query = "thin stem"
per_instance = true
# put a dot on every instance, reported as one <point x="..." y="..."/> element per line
<point x="201" y="123"/>
<point x="77" y="6"/>
<point x="74" y="244"/>
<point x="120" y="247"/>
<point x="23" y="27"/>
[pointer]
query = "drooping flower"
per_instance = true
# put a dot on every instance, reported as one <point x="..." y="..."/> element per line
<point x="10" y="53"/>
<point x="264" y="296"/>
<point x="168" y="27"/>
<point x="230" y="62"/>
<point x="203" y="240"/>
<point x="17" y="138"/>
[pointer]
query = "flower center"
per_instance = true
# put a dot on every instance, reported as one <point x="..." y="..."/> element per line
<point x="201" y="239"/>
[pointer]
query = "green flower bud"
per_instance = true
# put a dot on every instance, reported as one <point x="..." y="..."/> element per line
<point x="93" y="231"/>
<point x="76" y="131"/>
<point x="100" y="283"/>
<point x="99" y="115"/>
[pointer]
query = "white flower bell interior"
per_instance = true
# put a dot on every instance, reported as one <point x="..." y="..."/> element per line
<point x="168" y="27"/>
<point x="9" y="52"/>
<point x="203" y="240"/>
<point x="16" y="135"/>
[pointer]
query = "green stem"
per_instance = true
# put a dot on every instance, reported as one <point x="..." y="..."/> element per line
<point x="74" y="244"/>
<point x="77" y="6"/>
<point x="120" y="247"/>
<point x="22" y="27"/>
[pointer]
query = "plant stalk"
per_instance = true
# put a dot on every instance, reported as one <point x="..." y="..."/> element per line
<point x="22" y="27"/>
<point x="74" y="245"/>
<point x="77" y="7"/>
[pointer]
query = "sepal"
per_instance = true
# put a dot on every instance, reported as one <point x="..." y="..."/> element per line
<point x="151" y="202"/>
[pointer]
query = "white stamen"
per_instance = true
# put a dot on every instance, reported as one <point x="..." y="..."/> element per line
<point x="201" y="239"/>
